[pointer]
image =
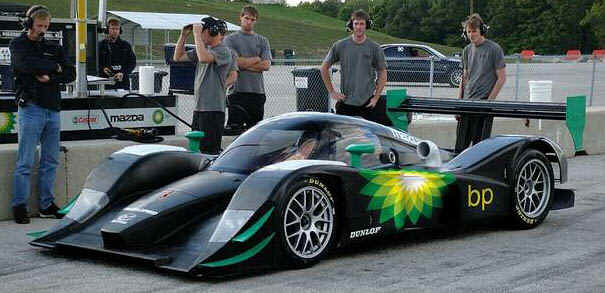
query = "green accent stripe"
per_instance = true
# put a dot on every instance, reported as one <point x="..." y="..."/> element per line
<point x="241" y="257"/>
<point x="69" y="205"/>
<point x="242" y="237"/>
<point x="36" y="234"/>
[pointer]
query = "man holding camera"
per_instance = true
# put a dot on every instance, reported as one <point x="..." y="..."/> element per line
<point x="116" y="58"/>
<point x="40" y="67"/>
<point x="214" y="62"/>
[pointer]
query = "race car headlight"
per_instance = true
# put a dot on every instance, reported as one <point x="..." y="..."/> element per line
<point x="231" y="222"/>
<point x="88" y="203"/>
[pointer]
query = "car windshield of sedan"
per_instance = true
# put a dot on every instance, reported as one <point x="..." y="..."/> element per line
<point x="264" y="147"/>
<point x="438" y="54"/>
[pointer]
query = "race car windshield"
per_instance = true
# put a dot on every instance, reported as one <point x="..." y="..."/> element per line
<point x="264" y="147"/>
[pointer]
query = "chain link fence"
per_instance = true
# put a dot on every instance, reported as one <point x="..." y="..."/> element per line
<point x="295" y="84"/>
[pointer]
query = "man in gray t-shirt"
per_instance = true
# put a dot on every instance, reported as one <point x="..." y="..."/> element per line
<point x="213" y="62"/>
<point x="247" y="102"/>
<point x="481" y="63"/>
<point x="360" y="58"/>
<point x="209" y="84"/>
<point x="233" y="73"/>
<point x="484" y="74"/>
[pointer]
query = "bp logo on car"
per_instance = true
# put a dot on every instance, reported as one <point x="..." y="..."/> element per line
<point x="158" y="116"/>
<point x="7" y="122"/>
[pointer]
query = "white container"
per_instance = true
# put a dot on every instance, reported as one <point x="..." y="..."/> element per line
<point x="540" y="90"/>
<point x="146" y="81"/>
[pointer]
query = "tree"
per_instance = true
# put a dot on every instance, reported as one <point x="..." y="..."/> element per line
<point x="352" y="5"/>
<point x="595" y="17"/>
<point x="328" y="7"/>
<point x="401" y="18"/>
<point x="442" y="24"/>
<point x="546" y="26"/>
<point x="377" y="13"/>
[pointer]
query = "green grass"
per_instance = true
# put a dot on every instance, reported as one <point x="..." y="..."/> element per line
<point x="310" y="34"/>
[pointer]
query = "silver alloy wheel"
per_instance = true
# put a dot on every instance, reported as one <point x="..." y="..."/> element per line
<point x="456" y="77"/>
<point x="533" y="188"/>
<point x="308" y="222"/>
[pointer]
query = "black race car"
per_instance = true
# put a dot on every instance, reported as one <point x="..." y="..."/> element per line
<point x="294" y="186"/>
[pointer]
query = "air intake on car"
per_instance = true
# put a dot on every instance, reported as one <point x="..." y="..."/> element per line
<point x="429" y="153"/>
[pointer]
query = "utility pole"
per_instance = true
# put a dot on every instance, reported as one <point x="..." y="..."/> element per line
<point x="81" y="42"/>
<point x="471" y="7"/>
<point x="73" y="9"/>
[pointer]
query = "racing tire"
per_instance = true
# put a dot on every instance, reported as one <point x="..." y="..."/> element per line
<point x="454" y="77"/>
<point x="532" y="189"/>
<point x="307" y="222"/>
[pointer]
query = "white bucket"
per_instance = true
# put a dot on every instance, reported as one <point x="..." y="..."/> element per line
<point x="540" y="90"/>
<point x="146" y="80"/>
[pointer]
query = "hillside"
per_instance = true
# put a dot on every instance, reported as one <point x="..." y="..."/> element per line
<point x="310" y="34"/>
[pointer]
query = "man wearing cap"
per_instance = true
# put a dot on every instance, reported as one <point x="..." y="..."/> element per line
<point x="213" y="63"/>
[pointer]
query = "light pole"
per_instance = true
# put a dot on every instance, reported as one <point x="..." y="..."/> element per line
<point x="81" y="42"/>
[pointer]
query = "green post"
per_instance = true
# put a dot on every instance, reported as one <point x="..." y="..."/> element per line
<point x="576" y="121"/>
<point x="194" y="138"/>
<point x="394" y="100"/>
<point x="357" y="150"/>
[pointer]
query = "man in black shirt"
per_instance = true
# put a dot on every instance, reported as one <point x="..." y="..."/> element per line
<point x="39" y="67"/>
<point x="116" y="58"/>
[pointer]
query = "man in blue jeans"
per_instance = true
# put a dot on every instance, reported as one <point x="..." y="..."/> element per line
<point x="39" y="67"/>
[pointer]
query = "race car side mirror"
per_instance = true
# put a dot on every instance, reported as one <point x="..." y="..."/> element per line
<point x="357" y="150"/>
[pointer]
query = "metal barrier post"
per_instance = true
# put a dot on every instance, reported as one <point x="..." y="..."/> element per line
<point x="517" y="77"/>
<point x="431" y="77"/>
<point x="576" y="121"/>
<point x="594" y="73"/>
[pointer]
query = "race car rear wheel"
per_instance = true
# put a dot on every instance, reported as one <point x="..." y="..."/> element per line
<point x="308" y="222"/>
<point x="533" y="189"/>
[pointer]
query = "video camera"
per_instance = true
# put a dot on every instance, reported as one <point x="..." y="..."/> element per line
<point x="213" y="25"/>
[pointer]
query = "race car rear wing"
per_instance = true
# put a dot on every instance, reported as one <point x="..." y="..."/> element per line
<point x="573" y="112"/>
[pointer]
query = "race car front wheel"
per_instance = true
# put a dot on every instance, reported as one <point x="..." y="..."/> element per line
<point x="308" y="222"/>
<point x="533" y="189"/>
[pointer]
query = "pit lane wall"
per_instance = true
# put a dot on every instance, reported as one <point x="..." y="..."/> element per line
<point x="82" y="156"/>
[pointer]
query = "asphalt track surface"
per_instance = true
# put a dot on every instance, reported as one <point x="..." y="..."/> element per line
<point x="564" y="254"/>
